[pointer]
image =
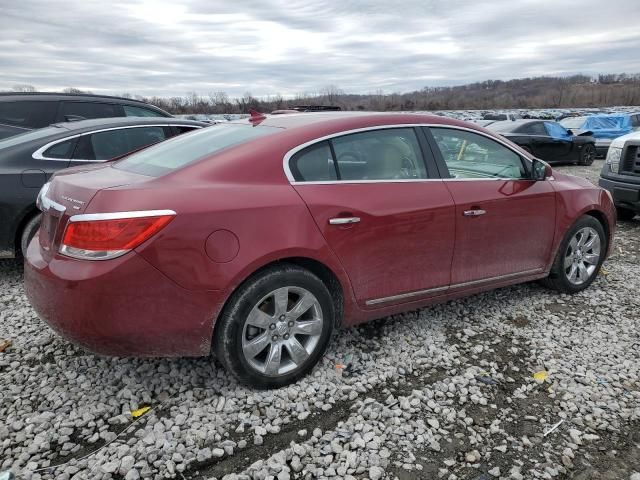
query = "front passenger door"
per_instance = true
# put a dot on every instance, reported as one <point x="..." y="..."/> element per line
<point x="505" y="221"/>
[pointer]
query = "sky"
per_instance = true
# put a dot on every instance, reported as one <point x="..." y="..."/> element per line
<point x="289" y="47"/>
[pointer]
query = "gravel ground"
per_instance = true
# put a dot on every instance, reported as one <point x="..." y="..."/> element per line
<point x="443" y="392"/>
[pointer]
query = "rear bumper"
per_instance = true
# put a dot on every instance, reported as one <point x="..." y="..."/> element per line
<point x="624" y="194"/>
<point x="122" y="307"/>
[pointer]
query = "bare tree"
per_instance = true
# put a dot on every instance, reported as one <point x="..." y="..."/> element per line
<point x="23" y="87"/>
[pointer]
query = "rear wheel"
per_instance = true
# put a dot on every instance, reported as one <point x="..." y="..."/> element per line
<point x="587" y="155"/>
<point x="275" y="327"/>
<point x="579" y="257"/>
<point x="29" y="232"/>
<point x="625" y="214"/>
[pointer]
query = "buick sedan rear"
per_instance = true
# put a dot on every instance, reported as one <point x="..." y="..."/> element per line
<point x="255" y="240"/>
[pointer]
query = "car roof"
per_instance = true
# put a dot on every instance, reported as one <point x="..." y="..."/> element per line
<point x="62" y="96"/>
<point x="346" y="120"/>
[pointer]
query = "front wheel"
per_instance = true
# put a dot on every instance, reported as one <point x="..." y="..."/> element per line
<point x="275" y="328"/>
<point x="587" y="155"/>
<point x="579" y="257"/>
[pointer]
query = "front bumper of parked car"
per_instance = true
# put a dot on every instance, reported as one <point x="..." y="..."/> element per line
<point x="625" y="190"/>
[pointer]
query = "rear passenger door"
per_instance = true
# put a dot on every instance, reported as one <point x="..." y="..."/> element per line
<point x="387" y="219"/>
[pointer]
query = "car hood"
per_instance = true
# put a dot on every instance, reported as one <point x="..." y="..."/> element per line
<point x="566" y="178"/>
<point x="620" y="141"/>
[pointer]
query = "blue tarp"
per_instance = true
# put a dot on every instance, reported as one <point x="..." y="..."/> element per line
<point x="608" y="126"/>
<point x="557" y="131"/>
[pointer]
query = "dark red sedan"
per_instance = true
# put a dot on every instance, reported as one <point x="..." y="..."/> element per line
<point x="256" y="239"/>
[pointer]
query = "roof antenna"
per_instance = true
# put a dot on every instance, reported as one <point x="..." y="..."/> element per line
<point x="256" y="117"/>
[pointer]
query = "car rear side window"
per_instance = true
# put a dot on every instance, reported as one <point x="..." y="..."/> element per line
<point x="131" y="111"/>
<point x="82" y="110"/>
<point x="314" y="164"/>
<point x="61" y="150"/>
<point x="115" y="143"/>
<point x="536" y="128"/>
<point x="474" y="156"/>
<point x="29" y="114"/>
<point x="380" y="154"/>
<point x="184" y="149"/>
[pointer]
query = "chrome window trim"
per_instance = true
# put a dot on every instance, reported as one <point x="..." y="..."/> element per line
<point x="38" y="154"/>
<point x="86" y="217"/>
<point x="456" y="286"/>
<point x="287" y="157"/>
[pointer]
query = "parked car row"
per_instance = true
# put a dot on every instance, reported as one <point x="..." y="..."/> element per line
<point x="254" y="239"/>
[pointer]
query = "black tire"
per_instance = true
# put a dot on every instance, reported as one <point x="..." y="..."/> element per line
<point x="558" y="278"/>
<point x="625" y="214"/>
<point x="230" y="327"/>
<point x="587" y="155"/>
<point x="29" y="231"/>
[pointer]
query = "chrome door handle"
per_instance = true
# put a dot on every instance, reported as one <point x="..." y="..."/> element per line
<point x="343" y="220"/>
<point x="474" y="213"/>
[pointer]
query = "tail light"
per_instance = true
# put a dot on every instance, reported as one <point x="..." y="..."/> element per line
<point x="102" y="236"/>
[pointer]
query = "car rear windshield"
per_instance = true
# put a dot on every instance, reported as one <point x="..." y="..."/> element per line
<point x="179" y="151"/>
<point x="30" y="135"/>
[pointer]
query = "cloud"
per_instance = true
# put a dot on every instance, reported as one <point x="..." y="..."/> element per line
<point x="288" y="47"/>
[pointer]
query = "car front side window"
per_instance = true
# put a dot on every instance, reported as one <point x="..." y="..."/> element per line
<point x="473" y="156"/>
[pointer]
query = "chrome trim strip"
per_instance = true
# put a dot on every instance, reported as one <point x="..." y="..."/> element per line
<point x="87" y="217"/>
<point x="293" y="151"/>
<point x="82" y="254"/>
<point x="48" y="204"/>
<point x="417" y="293"/>
<point x="499" y="277"/>
<point x="405" y="295"/>
<point x="38" y="154"/>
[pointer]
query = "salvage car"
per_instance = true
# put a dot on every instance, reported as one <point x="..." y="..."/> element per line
<point x="28" y="160"/>
<point x="255" y="239"/>
<point x="548" y="140"/>
<point x="21" y="112"/>
<point x="603" y="127"/>
<point x="620" y="175"/>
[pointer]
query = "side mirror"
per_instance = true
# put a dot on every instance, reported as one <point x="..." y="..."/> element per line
<point x="570" y="132"/>
<point x="540" y="170"/>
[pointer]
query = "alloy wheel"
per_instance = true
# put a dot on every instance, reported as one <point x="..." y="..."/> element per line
<point x="582" y="255"/>
<point x="282" y="331"/>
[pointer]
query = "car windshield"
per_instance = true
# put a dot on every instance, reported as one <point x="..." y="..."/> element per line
<point x="29" y="136"/>
<point x="572" y="122"/>
<point x="173" y="154"/>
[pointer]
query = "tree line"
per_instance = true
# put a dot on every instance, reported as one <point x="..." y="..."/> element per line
<point x="575" y="91"/>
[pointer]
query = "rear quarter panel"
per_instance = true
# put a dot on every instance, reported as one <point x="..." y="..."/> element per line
<point x="270" y="222"/>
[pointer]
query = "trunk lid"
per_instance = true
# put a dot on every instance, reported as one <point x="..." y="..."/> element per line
<point x="69" y="194"/>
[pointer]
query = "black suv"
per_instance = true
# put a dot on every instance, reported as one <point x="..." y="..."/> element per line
<point x="620" y="175"/>
<point x="21" y="112"/>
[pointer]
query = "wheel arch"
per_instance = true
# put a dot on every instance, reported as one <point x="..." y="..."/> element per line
<point x="26" y="216"/>
<point x="330" y="279"/>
